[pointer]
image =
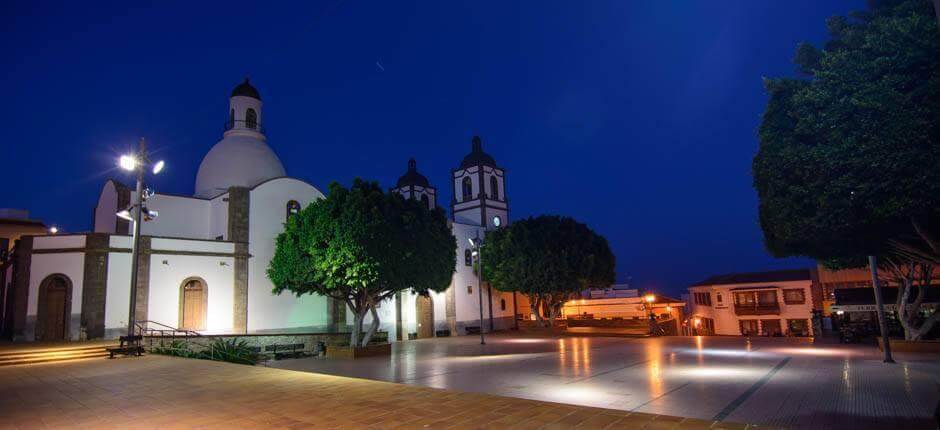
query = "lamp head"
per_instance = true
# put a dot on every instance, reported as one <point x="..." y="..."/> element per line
<point x="650" y="298"/>
<point x="157" y="168"/>
<point x="128" y="162"/>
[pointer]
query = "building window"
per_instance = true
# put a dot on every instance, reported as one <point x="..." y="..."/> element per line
<point x="494" y="188"/>
<point x="469" y="289"/>
<point x="748" y="327"/>
<point x="704" y="299"/>
<point x="293" y="208"/>
<point x="798" y="328"/>
<point x="467" y="186"/>
<point x="502" y="304"/>
<point x="718" y="297"/>
<point x="794" y="297"/>
<point x="467" y="258"/>
<point x="426" y="201"/>
<point x="251" y="119"/>
<point x="231" y="117"/>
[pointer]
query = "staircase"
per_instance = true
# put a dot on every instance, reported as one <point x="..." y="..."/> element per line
<point x="32" y="354"/>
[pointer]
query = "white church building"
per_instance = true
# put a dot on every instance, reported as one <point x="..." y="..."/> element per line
<point x="203" y="260"/>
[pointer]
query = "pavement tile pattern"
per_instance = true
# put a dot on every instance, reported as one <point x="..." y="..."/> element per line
<point x="169" y="393"/>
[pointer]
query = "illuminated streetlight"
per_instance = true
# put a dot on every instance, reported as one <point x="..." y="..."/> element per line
<point x="650" y="298"/>
<point x="137" y="163"/>
<point x="53" y="230"/>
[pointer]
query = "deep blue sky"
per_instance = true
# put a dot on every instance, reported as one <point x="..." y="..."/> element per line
<point x="638" y="118"/>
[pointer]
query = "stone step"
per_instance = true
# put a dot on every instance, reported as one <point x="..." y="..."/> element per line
<point x="26" y="350"/>
<point x="47" y="357"/>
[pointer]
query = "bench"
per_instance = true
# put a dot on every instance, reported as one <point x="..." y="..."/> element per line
<point x="130" y="345"/>
<point x="442" y="333"/>
<point x="290" y="350"/>
<point x="472" y="330"/>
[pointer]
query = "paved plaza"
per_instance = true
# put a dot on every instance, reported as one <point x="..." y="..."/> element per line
<point x="159" y="392"/>
<point x="775" y="382"/>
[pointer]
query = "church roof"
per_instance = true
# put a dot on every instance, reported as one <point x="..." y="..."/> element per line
<point x="412" y="177"/>
<point x="477" y="157"/>
<point x="245" y="89"/>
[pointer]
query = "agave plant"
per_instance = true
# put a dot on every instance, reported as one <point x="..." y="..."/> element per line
<point x="232" y="351"/>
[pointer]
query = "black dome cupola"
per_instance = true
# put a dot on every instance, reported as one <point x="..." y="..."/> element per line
<point x="412" y="177"/>
<point x="245" y="89"/>
<point x="477" y="157"/>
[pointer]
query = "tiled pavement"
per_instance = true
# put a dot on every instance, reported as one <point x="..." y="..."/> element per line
<point x="773" y="382"/>
<point x="167" y="392"/>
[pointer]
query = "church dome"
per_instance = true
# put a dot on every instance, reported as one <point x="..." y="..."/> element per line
<point x="237" y="160"/>
<point x="477" y="157"/>
<point x="412" y="177"/>
<point x="245" y="89"/>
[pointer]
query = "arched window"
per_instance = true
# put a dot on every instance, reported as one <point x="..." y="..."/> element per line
<point x="293" y="208"/>
<point x="502" y="304"/>
<point x="251" y="119"/>
<point x="231" y="117"/>
<point x="467" y="258"/>
<point x="494" y="188"/>
<point x="467" y="189"/>
<point x="426" y="201"/>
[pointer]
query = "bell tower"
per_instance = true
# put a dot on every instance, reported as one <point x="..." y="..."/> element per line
<point x="479" y="187"/>
<point x="244" y="114"/>
<point x="413" y="185"/>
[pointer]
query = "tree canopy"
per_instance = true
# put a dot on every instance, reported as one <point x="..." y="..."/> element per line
<point x="547" y="258"/>
<point x="362" y="246"/>
<point x="849" y="158"/>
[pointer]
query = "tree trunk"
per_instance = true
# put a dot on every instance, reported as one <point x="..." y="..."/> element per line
<point x="373" y="327"/>
<point x="535" y="305"/>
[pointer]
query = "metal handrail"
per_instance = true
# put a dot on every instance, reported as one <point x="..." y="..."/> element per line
<point x="164" y="330"/>
<point x="241" y="123"/>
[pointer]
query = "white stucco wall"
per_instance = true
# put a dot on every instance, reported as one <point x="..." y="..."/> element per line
<point x="218" y="217"/>
<point x="59" y="241"/>
<point x="105" y="218"/>
<point x="178" y="216"/>
<point x="267" y="214"/>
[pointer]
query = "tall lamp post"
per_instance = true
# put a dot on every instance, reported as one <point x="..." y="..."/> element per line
<point x="648" y="304"/>
<point x="138" y="163"/>
<point x="476" y="243"/>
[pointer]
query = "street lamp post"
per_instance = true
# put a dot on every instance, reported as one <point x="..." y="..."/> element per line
<point x="648" y="304"/>
<point x="476" y="244"/>
<point x="136" y="163"/>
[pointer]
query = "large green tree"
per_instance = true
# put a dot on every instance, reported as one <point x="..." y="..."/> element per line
<point x="547" y="258"/>
<point x="361" y="245"/>
<point x="849" y="158"/>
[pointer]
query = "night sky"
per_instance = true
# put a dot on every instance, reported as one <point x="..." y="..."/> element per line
<point x="638" y="118"/>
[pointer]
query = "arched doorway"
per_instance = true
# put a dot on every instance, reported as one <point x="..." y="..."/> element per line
<point x="54" y="305"/>
<point x="194" y="297"/>
<point x="424" y="312"/>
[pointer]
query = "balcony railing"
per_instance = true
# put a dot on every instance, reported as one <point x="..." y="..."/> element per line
<point x="757" y="309"/>
<point x="240" y="123"/>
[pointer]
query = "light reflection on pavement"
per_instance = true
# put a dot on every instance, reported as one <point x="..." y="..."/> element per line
<point x="765" y="381"/>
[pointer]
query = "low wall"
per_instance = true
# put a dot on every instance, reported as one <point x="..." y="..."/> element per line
<point x="309" y="340"/>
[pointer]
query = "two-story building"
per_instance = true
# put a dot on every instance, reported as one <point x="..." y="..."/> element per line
<point x="777" y="303"/>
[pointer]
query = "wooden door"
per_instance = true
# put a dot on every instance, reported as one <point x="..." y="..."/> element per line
<point x="424" y="308"/>
<point x="194" y="306"/>
<point x="55" y="312"/>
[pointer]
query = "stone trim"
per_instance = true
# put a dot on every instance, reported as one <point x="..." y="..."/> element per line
<point x="335" y="315"/>
<point x="143" y="280"/>
<point x="18" y="307"/>
<point x="240" y="282"/>
<point x="238" y="212"/>
<point x="94" y="285"/>
<point x="450" y="308"/>
<point x="399" y="327"/>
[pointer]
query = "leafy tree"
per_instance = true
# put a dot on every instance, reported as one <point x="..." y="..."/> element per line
<point x="362" y="246"/>
<point x="849" y="158"/>
<point x="547" y="258"/>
